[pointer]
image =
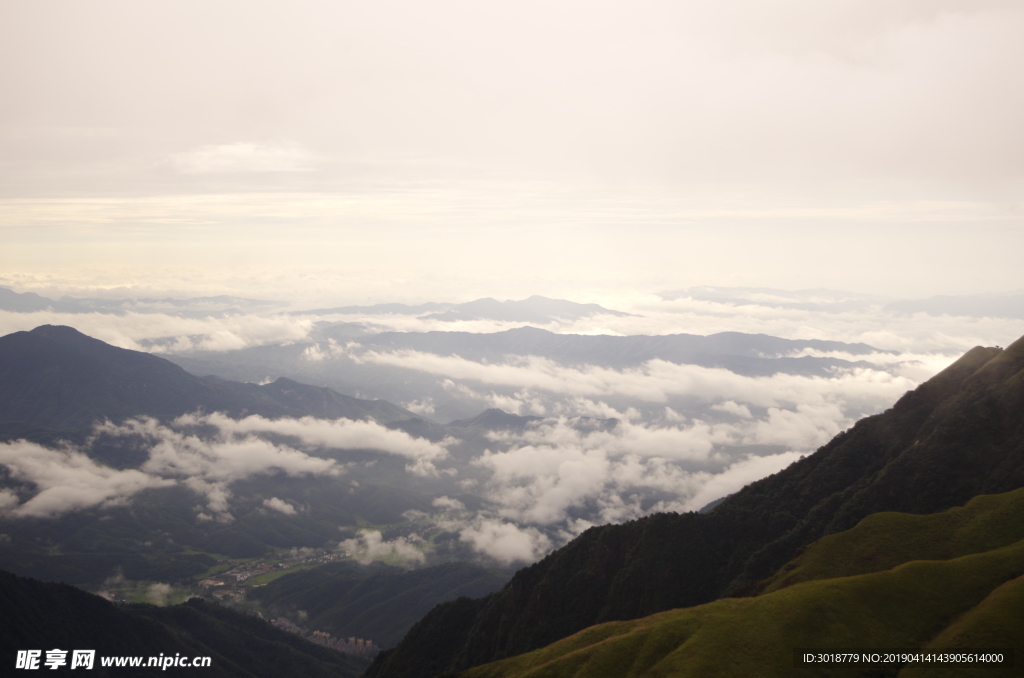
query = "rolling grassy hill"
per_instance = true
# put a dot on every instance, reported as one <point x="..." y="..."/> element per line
<point x="951" y="580"/>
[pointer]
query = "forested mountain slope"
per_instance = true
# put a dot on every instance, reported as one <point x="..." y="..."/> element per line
<point x="381" y="602"/>
<point x="958" y="435"/>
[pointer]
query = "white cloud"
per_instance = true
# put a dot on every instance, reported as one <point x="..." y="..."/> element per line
<point x="737" y="476"/>
<point x="243" y="157"/>
<point x="448" y="504"/>
<point x="158" y="592"/>
<point x="68" y="480"/>
<point x="655" y="381"/>
<point x="732" y="407"/>
<point x="280" y="505"/>
<point x="8" y="500"/>
<point x="370" y="546"/>
<point x="506" y="542"/>
<point x="422" y="406"/>
<point x="322" y="351"/>
<point x="130" y="330"/>
<point x="173" y="453"/>
<point x="556" y="475"/>
<point x="337" y="433"/>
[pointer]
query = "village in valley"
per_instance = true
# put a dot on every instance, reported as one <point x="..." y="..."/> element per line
<point x="229" y="587"/>
<point x="228" y="582"/>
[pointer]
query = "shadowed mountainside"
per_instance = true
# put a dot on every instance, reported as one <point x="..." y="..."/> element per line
<point x="346" y="599"/>
<point x="958" y="435"/>
<point x="44" y="616"/>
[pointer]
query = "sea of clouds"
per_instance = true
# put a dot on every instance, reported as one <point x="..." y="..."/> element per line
<point x="684" y="435"/>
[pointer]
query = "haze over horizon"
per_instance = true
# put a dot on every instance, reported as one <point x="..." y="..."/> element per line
<point x="338" y="153"/>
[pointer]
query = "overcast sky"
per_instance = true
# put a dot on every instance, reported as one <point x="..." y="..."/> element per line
<point x="404" y="151"/>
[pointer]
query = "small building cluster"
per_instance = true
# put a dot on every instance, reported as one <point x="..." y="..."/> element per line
<point x="243" y="571"/>
<point x="353" y="645"/>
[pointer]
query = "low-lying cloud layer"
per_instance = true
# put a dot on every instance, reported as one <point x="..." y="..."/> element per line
<point x="176" y="334"/>
<point x="556" y="475"/>
<point x="656" y="381"/>
<point x="872" y="323"/>
<point x="332" y="433"/>
<point x="69" y="480"/>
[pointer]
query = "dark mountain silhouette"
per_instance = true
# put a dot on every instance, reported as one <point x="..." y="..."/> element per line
<point x="59" y="378"/>
<point x="44" y="616"/>
<point x="956" y="436"/>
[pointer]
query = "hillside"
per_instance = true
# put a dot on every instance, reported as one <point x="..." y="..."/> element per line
<point x="946" y="581"/>
<point x="45" y="616"/>
<point x="884" y="540"/>
<point x="899" y="608"/>
<point x="958" y="435"/>
<point x="382" y="603"/>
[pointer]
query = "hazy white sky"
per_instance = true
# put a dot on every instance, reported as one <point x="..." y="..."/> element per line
<point x="396" y="150"/>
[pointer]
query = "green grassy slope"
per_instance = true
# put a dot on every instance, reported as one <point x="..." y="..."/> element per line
<point x="948" y="601"/>
<point x="946" y="580"/>
<point x="995" y="622"/>
<point x="884" y="540"/>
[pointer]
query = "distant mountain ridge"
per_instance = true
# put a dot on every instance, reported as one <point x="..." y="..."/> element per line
<point x="737" y="351"/>
<point x="331" y="356"/>
<point x="535" y="309"/>
<point x="196" y="307"/>
<point x="59" y="378"/>
<point x="1008" y="305"/>
<point x="956" y="436"/>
